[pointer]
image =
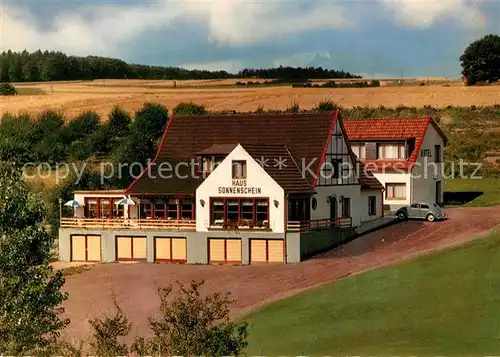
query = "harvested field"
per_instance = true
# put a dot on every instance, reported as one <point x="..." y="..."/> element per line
<point x="135" y="284"/>
<point x="102" y="95"/>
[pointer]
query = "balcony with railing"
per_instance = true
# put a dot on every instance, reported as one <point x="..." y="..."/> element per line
<point x="120" y="223"/>
<point x="319" y="224"/>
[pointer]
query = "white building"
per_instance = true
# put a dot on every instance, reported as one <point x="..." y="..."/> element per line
<point x="242" y="189"/>
<point x="405" y="155"/>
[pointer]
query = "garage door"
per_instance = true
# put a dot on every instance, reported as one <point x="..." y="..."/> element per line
<point x="223" y="250"/>
<point x="131" y="248"/>
<point x="170" y="250"/>
<point x="267" y="251"/>
<point x="85" y="248"/>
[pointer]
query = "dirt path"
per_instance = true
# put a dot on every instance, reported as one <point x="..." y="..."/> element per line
<point x="135" y="284"/>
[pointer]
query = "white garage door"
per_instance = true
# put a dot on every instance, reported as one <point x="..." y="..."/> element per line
<point x="222" y="250"/>
<point x="170" y="250"/>
<point x="85" y="248"/>
<point x="267" y="251"/>
<point x="131" y="248"/>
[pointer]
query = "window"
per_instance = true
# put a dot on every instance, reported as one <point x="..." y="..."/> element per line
<point x="346" y="207"/>
<point x="425" y="206"/>
<point x="208" y="164"/>
<point x="437" y="153"/>
<point x="253" y="212"/>
<point x="105" y="208"/>
<point x="359" y="150"/>
<point x="187" y="209"/>
<point x="314" y="203"/>
<point x="159" y="210"/>
<point x="92" y="208"/>
<point x="147" y="210"/>
<point x="391" y="151"/>
<point x="372" y="205"/>
<point x="336" y="164"/>
<point x="239" y="169"/>
<point x="172" y="209"/>
<point x="247" y="210"/>
<point x="395" y="191"/>
<point x="262" y="215"/>
<point x="217" y="212"/>
<point x="232" y="210"/>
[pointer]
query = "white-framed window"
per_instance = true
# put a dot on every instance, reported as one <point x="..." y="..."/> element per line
<point x="391" y="151"/>
<point x="359" y="150"/>
<point x="239" y="169"/>
<point x="395" y="191"/>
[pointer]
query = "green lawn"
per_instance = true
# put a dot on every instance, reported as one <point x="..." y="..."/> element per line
<point x="489" y="186"/>
<point x="442" y="304"/>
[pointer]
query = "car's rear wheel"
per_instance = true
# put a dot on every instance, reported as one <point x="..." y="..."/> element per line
<point x="431" y="217"/>
<point x="402" y="216"/>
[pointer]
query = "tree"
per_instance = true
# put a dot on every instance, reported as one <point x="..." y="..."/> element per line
<point x="193" y="325"/>
<point x="119" y="121"/>
<point x="17" y="135"/>
<point x="30" y="309"/>
<point x="481" y="60"/>
<point x="189" y="109"/>
<point x="141" y="144"/>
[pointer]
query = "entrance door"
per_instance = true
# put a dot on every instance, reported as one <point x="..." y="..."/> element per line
<point x="438" y="192"/>
<point x="333" y="209"/>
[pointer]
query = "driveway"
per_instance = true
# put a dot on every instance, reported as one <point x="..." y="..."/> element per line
<point x="135" y="284"/>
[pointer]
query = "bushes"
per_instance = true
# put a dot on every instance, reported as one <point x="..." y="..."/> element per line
<point x="189" y="324"/>
<point x="7" y="89"/>
<point x="189" y="109"/>
<point x="326" y="106"/>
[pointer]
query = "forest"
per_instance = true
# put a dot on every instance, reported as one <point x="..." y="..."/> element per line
<point x="57" y="66"/>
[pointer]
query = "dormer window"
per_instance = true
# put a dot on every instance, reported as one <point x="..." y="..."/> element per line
<point x="210" y="163"/>
<point x="391" y="151"/>
<point x="239" y="169"/>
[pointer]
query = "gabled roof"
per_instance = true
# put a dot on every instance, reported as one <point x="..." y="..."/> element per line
<point x="367" y="179"/>
<point x="279" y="163"/>
<point x="392" y="129"/>
<point x="304" y="134"/>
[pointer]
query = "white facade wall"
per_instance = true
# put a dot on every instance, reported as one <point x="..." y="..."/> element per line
<point x="427" y="172"/>
<point x="365" y="194"/>
<point x="348" y="187"/>
<point x="256" y="177"/>
<point x="349" y="191"/>
<point x="395" y="177"/>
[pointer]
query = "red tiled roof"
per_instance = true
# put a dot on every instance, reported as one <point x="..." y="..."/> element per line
<point x="303" y="134"/>
<point x="279" y="163"/>
<point x="218" y="149"/>
<point x="391" y="129"/>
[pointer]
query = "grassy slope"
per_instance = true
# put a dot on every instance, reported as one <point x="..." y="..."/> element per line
<point x="490" y="187"/>
<point x="442" y="304"/>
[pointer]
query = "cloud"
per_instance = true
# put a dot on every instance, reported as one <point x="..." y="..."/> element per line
<point x="101" y="28"/>
<point x="422" y="14"/>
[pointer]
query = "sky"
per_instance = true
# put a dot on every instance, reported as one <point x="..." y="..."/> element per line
<point x="376" y="38"/>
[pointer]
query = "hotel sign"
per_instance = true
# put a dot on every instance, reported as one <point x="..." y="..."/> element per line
<point x="240" y="187"/>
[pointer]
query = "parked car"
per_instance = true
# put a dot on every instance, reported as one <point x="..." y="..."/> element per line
<point x="422" y="210"/>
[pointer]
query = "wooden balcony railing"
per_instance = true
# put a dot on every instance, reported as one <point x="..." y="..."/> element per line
<point x="105" y="223"/>
<point x="305" y="226"/>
